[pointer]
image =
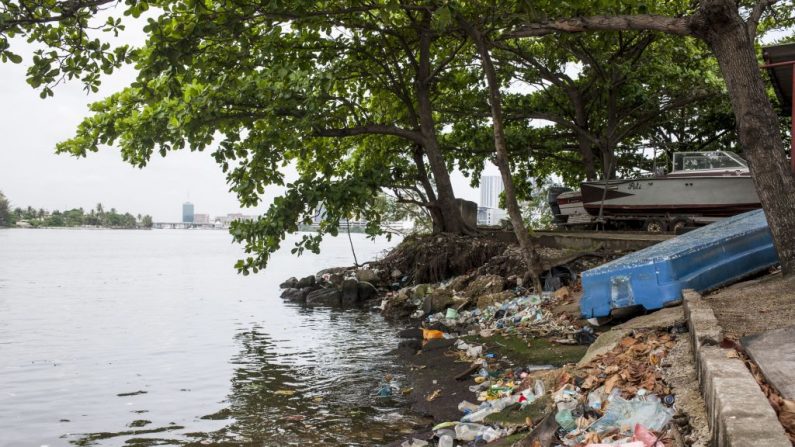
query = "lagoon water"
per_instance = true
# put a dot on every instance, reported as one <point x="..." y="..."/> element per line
<point x="137" y="338"/>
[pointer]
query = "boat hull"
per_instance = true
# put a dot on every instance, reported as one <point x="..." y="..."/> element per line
<point x="714" y="196"/>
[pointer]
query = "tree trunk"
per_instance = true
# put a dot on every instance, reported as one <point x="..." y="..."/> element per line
<point x="437" y="218"/>
<point x="720" y="25"/>
<point x="529" y="252"/>
<point x="584" y="143"/>
<point x="445" y="197"/>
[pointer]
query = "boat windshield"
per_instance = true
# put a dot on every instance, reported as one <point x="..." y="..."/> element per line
<point x="698" y="161"/>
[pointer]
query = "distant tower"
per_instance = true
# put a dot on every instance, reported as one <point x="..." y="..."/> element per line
<point x="490" y="189"/>
<point x="187" y="212"/>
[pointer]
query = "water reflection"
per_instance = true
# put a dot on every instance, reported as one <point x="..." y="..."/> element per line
<point x="320" y="395"/>
<point x="149" y="338"/>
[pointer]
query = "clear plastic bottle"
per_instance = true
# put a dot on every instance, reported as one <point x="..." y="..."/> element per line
<point x="538" y="388"/>
<point x="468" y="432"/>
<point x="446" y="441"/>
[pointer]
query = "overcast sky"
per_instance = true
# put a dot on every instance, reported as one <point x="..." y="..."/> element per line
<point x="31" y="174"/>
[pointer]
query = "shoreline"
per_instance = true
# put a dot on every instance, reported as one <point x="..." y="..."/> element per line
<point x="449" y="360"/>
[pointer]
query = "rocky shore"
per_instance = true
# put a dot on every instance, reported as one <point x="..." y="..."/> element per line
<point x="491" y="361"/>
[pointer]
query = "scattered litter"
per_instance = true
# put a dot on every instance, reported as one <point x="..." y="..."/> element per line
<point x="433" y="395"/>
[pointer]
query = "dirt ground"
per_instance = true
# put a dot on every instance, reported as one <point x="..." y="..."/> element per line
<point x="755" y="306"/>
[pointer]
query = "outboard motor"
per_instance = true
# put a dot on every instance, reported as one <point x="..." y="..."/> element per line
<point x="552" y="200"/>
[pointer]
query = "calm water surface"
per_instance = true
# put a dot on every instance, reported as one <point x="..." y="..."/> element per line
<point x="137" y="338"/>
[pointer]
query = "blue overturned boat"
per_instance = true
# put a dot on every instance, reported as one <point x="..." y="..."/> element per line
<point x="704" y="259"/>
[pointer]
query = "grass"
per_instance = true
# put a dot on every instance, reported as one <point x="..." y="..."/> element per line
<point x="535" y="351"/>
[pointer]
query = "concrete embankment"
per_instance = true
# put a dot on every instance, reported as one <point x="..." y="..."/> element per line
<point x="739" y="413"/>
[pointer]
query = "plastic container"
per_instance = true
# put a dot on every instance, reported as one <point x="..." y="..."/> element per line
<point x="468" y="431"/>
<point x="446" y="441"/>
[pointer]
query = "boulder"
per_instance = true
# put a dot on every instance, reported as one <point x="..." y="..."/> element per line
<point x="294" y="294"/>
<point x="493" y="298"/>
<point x="437" y="301"/>
<point x="367" y="275"/>
<point x="308" y="281"/>
<point x="484" y="285"/>
<point x="331" y="271"/>
<point x="324" y="297"/>
<point x="367" y="291"/>
<point x="335" y="279"/>
<point x="421" y="290"/>
<point x="460" y="282"/>
<point x="350" y="292"/>
<point x="291" y="283"/>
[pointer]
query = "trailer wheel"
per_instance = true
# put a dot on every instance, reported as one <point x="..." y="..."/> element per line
<point x="678" y="225"/>
<point x="654" y="226"/>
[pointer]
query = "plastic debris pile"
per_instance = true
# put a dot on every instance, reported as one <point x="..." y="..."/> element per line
<point x="519" y="315"/>
<point x="618" y="399"/>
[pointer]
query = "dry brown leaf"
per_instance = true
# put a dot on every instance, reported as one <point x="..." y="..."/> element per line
<point x="588" y="383"/>
<point x="610" y="383"/>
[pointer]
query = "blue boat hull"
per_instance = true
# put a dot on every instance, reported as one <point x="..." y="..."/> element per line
<point x="703" y="259"/>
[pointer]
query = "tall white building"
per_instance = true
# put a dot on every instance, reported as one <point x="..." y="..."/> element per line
<point x="490" y="188"/>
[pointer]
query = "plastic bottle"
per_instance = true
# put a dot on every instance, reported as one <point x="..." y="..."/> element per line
<point x="467" y="432"/>
<point x="538" y="388"/>
<point x="467" y="407"/>
<point x="446" y="441"/>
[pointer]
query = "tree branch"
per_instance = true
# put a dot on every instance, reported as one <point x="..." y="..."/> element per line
<point x="371" y="129"/>
<point x="756" y="15"/>
<point x="672" y="25"/>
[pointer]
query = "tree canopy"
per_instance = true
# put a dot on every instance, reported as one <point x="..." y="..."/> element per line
<point x="362" y="97"/>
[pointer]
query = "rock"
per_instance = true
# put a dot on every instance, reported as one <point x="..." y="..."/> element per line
<point x="396" y="274"/>
<point x="421" y="290"/>
<point x="335" y="279"/>
<point x="331" y="271"/>
<point x="437" y="301"/>
<point x="460" y="282"/>
<point x="350" y="292"/>
<point x="367" y="291"/>
<point x="294" y="294"/>
<point x="308" y="281"/>
<point x="324" y="297"/>
<point x="493" y="298"/>
<point x="484" y="285"/>
<point x="367" y="275"/>
<point x="291" y="283"/>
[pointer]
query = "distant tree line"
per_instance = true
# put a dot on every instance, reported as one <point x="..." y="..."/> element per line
<point x="76" y="217"/>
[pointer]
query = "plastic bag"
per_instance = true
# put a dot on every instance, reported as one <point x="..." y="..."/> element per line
<point x="624" y="414"/>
